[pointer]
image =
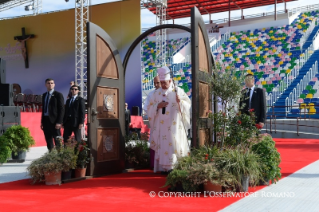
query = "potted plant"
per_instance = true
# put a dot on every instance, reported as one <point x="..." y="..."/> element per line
<point x="68" y="157"/>
<point x="269" y="159"/>
<point x="137" y="152"/>
<point x="5" y="151"/>
<point x="242" y="163"/>
<point x="178" y="181"/>
<point x="48" y="168"/>
<point x="82" y="152"/>
<point x="20" y="140"/>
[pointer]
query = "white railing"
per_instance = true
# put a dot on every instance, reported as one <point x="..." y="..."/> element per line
<point x="297" y="91"/>
<point x="315" y="41"/>
<point x="307" y="33"/>
<point x="218" y="43"/>
<point x="289" y="78"/>
<point x="303" y="9"/>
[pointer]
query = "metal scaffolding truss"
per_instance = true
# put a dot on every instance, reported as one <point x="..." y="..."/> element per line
<point x="35" y="5"/>
<point x="81" y="18"/>
<point x="161" y="34"/>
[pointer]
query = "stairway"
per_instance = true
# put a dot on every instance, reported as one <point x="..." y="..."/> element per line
<point x="309" y="40"/>
<point x="280" y="110"/>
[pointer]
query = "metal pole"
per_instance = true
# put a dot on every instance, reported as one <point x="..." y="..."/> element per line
<point x="229" y="13"/>
<point x="285" y="7"/>
<point x="275" y="10"/>
<point x="242" y="14"/>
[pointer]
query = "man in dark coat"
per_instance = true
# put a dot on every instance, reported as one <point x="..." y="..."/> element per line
<point x="74" y="115"/>
<point x="253" y="99"/>
<point x="127" y="119"/>
<point x="52" y="114"/>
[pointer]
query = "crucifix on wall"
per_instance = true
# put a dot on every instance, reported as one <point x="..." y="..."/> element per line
<point x="22" y="39"/>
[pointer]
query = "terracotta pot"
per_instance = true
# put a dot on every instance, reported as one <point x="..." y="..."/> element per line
<point x="209" y="186"/>
<point x="52" y="178"/>
<point x="80" y="172"/>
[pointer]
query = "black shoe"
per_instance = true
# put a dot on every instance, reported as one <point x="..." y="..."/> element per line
<point x="164" y="172"/>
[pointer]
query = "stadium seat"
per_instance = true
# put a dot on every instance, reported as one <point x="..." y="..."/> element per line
<point x="302" y="96"/>
<point x="309" y="95"/>
<point x="312" y="111"/>
<point x="295" y="111"/>
<point x="307" y="100"/>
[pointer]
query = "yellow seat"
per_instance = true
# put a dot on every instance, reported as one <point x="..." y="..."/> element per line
<point x="311" y="105"/>
<point x="263" y="82"/>
<point x="312" y="111"/>
<point x="309" y="95"/>
<point x="303" y="106"/>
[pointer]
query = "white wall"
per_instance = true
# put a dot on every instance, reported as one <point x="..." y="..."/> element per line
<point x="254" y="26"/>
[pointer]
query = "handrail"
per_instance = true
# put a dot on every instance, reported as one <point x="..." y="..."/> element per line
<point x="305" y="8"/>
<point x="219" y="42"/>
<point x="307" y="33"/>
<point x="293" y="96"/>
<point x="286" y="82"/>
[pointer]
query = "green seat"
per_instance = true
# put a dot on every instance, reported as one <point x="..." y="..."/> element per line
<point x="308" y="87"/>
<point x="269" y="90"/>
<point x="313" y="91"/>
<point x="266" y="86"/>
<point x="302" y="96"/>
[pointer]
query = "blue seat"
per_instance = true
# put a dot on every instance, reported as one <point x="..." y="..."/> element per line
<point x="307" y="100"/>
<point x="295" y="111"/>
<point x="305" y="92"/>
<point x="315" y="101"/>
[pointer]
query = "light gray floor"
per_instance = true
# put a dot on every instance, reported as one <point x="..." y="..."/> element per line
<point x="17" y="171"/>
<point x="302" y="186"/>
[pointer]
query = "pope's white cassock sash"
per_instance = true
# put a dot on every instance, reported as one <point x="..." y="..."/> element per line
<point x="168" y="136"/>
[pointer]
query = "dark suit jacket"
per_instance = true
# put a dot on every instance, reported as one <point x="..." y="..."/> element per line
<point x="258" y="103"/>
<point x="56" y="107"/>
<point x="127" y="116"/>
<point x="76" y="110"/>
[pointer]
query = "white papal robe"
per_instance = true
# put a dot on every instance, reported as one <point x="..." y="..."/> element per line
<point x="168" y="137"/>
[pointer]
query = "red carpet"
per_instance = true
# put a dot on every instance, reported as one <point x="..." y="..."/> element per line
<point x="130" y="191"/>
<point x="32" y="121"/>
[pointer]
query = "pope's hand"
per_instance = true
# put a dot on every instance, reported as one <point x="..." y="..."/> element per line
<point x="162" y="104"/>
<point x="177" y="99"/>
<point x="261" y="124"/>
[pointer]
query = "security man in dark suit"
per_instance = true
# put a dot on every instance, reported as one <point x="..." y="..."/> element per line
<point x="52" y="114"/>
<point x="74" y="115"/>
<point x="253" y="98"/>
<point x="127" y="119"/>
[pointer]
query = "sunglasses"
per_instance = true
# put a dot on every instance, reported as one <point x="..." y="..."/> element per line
<point x="74" y="89"/>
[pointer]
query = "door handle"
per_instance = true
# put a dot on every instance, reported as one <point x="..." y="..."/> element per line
<point x="93" y="113"/>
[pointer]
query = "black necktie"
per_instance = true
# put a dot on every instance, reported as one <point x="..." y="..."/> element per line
<point x="248" y="93"/>
<point x="47" y="102"/>
<point x="248" y="97"/>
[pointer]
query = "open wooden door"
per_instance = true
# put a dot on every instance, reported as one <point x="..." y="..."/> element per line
<point x="201" y="71"/>
<point x="106" y="96"/>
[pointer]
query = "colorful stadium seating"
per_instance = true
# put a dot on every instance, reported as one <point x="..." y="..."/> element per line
<point x="269" y="53"/>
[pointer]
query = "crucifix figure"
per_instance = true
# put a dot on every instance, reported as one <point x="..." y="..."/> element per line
<point x="22" y="39"/>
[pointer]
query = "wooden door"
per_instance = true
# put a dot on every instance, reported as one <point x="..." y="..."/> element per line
<point x="201" y="71"/>
<point x="106" y="96"/>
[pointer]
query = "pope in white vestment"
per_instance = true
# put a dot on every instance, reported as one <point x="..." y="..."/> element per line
<point x="168" y="131"/>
